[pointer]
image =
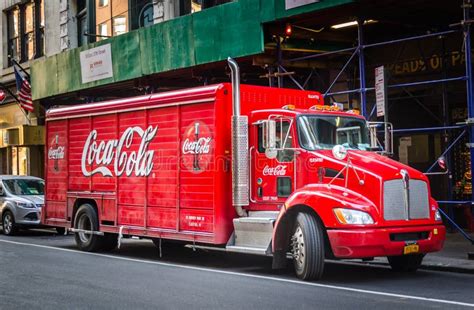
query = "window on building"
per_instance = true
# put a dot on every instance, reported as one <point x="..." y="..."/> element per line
<point x="29" y="35"/>
<point x="13" y="24"/>
<point x="102" y="31"/>
<point x="25" y="23"/>
<point x="82" y="27"/>
<point x="199" y="5"/>
<point x="114" y="14"/>
<point x="142" y="12"/>
<point x="120" y="25"/>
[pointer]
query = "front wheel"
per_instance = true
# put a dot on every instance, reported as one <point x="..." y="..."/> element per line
<point x="406" y="263"/>
<point x="8" y="222"/>
<point x="307" y="247"/>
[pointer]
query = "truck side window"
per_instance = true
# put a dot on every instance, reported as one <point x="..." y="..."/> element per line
<point x="283" y="186"/>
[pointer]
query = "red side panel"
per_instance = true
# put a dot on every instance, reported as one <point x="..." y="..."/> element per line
<point x="162" y="197"/>
<point x="79" y="130"/>
<point x="56" y="169"/>
<point x="131" y="189"/>
<point x="197" y="167"/>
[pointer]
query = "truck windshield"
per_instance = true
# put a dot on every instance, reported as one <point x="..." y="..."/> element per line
<point x="324" y="132"/>
<point x="24" y="186"/>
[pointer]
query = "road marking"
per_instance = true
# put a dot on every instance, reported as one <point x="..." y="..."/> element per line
<point x="298" y="282"/>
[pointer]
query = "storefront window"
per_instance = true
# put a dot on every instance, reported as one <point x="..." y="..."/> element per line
<point x="20" y="160"/>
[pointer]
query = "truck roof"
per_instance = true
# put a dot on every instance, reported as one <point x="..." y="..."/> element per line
<point x="187" y="96"/>
<point x="296" y="112"/>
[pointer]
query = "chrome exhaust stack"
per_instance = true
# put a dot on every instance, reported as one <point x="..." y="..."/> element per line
<point x="240" y="146"/>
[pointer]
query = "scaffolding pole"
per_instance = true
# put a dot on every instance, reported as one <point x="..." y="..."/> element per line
<point x="360" y="49"/>
<point x="470" y="104"/>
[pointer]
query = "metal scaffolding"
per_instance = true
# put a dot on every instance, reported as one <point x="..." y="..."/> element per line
<point x="359" y="50"/>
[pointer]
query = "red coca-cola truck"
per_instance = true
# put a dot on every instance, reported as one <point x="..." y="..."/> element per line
<point x="246" y="169"/>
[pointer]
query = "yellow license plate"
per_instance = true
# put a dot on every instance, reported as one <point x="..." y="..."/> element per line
<point x="412" y="248"/>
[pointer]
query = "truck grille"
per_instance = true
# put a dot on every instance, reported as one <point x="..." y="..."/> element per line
<point x="394" y="200"/>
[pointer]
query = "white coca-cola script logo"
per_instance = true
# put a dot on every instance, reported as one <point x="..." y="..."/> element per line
<point x="56" y="153"/>
<point x="103" y="153"/>
<point x="201" y="146"/>
<point x="276" y="171"/>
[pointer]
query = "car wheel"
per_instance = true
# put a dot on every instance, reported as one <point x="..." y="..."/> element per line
<point x="406" y="263"/>
<point x="307" y="247"/>
<point x="86" y="219"/>
<point x="8" y="222"/>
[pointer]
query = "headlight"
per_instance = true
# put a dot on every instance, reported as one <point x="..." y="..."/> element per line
<point x="25" y="205"/>
<point x="438" y="216"/>
<point x="348" y="216"/>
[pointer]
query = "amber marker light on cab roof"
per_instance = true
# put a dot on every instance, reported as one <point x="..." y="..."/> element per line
<point x="289" y="107"/>
<point x="325" y="108"/>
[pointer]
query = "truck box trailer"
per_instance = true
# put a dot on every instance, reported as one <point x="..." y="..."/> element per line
<point x="240" y="168"/>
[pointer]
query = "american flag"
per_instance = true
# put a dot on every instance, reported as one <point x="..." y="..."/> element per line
<point x="23" y="89"/>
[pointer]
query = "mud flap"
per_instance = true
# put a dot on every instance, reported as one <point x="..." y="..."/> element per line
<point x="279" y="260"/>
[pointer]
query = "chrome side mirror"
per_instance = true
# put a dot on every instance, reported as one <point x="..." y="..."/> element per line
<point x="269" y="143"/>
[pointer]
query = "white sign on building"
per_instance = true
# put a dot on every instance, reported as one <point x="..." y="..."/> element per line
<point x="291" y="4"/>
<point x="96" y="64"/>
<point x="380" y="90"/>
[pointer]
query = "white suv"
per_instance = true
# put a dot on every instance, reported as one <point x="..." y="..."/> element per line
<point x="21" y="201"/>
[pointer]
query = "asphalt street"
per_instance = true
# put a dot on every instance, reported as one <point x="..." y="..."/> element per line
<point x="42" y="270"/>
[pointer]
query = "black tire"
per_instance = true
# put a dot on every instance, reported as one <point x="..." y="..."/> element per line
<point x="60" y="230"/>
<point x="8" y="224"/>
<point x="86" y="219"/>
<point x="406" y="263"/>
<point x="307" y="247"/>
<point x="110" y="242"/>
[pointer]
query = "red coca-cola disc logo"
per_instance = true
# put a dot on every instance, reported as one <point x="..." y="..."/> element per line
<point x="2" y="96"/>
<point x="197" y="147"/>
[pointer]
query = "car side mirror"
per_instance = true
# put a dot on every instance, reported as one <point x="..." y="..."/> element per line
<point x="2" y="192"/>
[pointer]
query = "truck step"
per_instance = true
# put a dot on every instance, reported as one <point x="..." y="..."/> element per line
<point x="264" y="214"/>
<point x="253" y="232"/>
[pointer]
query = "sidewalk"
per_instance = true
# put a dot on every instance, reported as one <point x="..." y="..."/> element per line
<point x="453" y="257"/>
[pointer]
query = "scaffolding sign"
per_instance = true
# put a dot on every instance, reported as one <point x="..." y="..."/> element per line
<point x="380" y="90"/>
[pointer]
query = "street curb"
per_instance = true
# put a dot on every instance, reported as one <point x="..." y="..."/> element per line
<point x="443" y="268"/>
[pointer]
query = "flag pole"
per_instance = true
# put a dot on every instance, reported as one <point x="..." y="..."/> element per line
<point x="19" y="66"/>
<point x="17" y="101"/>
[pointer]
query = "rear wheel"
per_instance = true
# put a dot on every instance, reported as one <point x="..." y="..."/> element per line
<point x="307" y="247"/>
<point x="8" y="222"/>
<point x="86" y="219"/>
<point x="406" y="263"/>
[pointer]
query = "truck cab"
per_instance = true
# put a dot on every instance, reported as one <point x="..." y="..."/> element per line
<point x="334" y="195"/>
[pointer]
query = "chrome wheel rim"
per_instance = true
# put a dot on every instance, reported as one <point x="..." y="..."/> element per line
<point x="298" y="248"/>
<point x="84" y="223"/>
<point x="7" y="224"/>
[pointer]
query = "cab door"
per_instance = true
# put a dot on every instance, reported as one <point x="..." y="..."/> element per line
<point x="272" y="179"/>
